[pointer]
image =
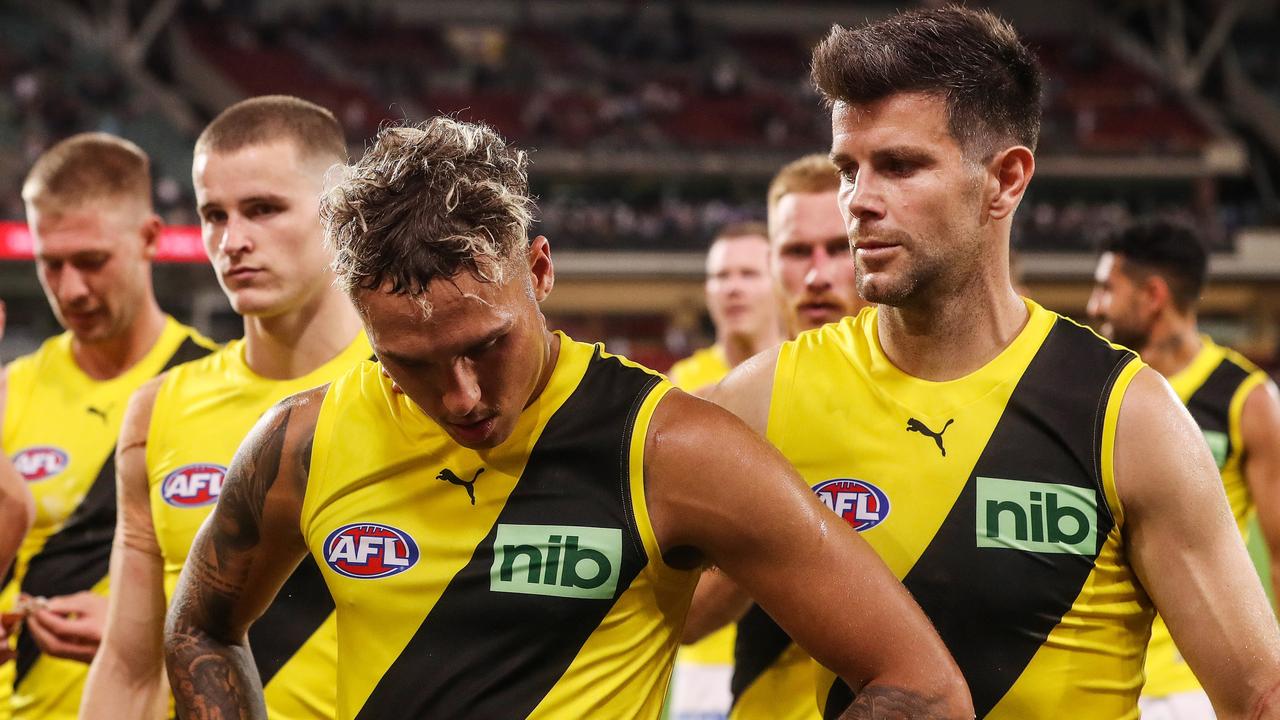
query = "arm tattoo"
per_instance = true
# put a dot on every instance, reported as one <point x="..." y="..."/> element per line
<point x="210" y="668"/>
<point x="879" y="702"/>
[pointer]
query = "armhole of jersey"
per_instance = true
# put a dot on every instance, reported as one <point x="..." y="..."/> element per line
<point x="320" y="445"/>
<point x="1235" y="411"/>
<point x="1107" y="461"/>
<point x="635" y="474"/>
<point x="784" y="374"/>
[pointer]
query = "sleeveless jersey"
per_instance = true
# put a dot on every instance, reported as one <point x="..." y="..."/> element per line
<point x="1214" y="387"/>
<point x="519" y="581"/>
<point x="992" y="497"/>
<point x="713" y="653"/>
<point x="202" y="412"/>
<point x="60" y="429"/>
<point x="707" y="366"/>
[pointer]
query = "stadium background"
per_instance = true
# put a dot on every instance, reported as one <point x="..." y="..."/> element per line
<point x="653" y="123"/>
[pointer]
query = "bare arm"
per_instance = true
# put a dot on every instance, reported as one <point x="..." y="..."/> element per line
<point x="240" y="558"/>
<point x="17" y="513"/>
<point x="719" y="493"/>
<point x="126" y="678"/>
<point x="1185" y="547"/>
<point x="1260" y="426"/>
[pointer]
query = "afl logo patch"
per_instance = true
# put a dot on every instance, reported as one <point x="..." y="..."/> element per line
<point x="860" y="503"/>
<point x="193" y="485"/>
<point x="368" y="550"/>
<point x="40" y="463"/>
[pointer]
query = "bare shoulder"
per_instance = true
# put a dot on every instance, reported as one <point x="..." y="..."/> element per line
<point x="746" y="390"/>
<point x="1159" y="450"/>
<point x="137" y="414"/>
<point x="1260" y="416"/>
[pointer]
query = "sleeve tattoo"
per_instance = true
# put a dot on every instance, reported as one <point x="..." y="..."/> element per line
<point x="210" y="666"/>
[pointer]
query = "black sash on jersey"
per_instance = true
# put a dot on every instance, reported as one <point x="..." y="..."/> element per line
<point x="482" y="654"/>
<point x="1210" y="404"/>
<point x="994" y="607"/>
<point x="78" y="555"/>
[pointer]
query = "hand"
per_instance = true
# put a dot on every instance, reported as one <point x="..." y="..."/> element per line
<point x="8" y="623"/>
<point x="69" y="626"/>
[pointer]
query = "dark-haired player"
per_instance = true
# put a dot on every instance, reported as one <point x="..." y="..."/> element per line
<point x="1149" y="279"/>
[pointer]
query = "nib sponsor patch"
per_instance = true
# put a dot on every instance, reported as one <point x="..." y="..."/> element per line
<point x="366" y="551"/>
<point x="40" y="463"/>
<point x="193" y="485"/>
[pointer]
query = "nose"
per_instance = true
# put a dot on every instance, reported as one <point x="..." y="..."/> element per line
<point x="71" y="285"/>
<point x="461" y="391"/>
<point x="235" y="238"/>
<point x="1096" y="307"/>
<point x="863" y="200"/>
<point x="818" y="278"/>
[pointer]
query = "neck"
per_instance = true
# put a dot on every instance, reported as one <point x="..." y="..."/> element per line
<point x="292" y="344"/>
<point x="110" y="358"/>
<point x="1173" y="344"/>
<point x="550" y="355"/>
<point x="953" y="334"/>
<point x="738" y="348"/>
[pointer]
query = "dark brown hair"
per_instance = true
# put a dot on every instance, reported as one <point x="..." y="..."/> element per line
<point x="1166" y="247"/>
<point x="972" y="59"/>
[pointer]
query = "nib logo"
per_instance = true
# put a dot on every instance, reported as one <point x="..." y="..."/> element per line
<point x="559" y="561"/>
<point x="1037" y="517"/>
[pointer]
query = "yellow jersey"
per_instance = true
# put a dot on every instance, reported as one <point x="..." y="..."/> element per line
<point x="992" y="497"/>
<point x="700" y="370"/>
<point x="1214" y="388"/>
<point x="202" y="412"/>
<point x="519" y="581"/>
<point x="60" y="429"/>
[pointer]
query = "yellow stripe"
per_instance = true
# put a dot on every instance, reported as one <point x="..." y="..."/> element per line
<point x="1114" y="401"/>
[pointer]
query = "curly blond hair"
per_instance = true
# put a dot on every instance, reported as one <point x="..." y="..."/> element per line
<point x="425" y="202"/>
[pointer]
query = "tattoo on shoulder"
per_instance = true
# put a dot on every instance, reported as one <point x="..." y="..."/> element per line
<point x="891" y="703"/>
<point x="250" y="479"/>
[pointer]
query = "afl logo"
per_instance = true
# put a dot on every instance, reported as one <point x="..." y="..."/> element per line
<point x="193" y="485"/>
<point x="860" y="503"/>
<point x="40" y="463"/>
<point x="368" y="550"/>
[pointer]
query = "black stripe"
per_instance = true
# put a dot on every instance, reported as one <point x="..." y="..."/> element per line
<point x="758" y="644"/>
<point x="485" y="654"/>
<point x="300" y="608"/>
<point x="78" y="555"/>
<point x="1210" y="404"/>
<point x="994" y="607"/>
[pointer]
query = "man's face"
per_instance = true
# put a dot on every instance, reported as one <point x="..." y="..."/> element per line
<point x="260" y="218"/>
<point x="739" y="291"/>
<point x="910" y="199"/>
<point x="477" y="360"/>
<point x="94" y="263"/>
<point x="1117" y="304"/>
<point x="811" y="263"/>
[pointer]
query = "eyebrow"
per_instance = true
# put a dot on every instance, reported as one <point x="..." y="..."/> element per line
<point x="267" y="198"/>
<point x="492" y="335"/>
<point x="898" y="152"/>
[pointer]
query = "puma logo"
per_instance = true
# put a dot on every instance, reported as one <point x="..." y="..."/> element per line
<point x="100" y="413"/>
<point x="448" y="476"/>
<point x="914" y="425"/>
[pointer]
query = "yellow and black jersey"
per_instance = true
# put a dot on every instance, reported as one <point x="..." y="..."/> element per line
<point x="992" y="497"/>
<point x="1214" y="387"/>
<point x="702" y="369"/>
<point x="60" y="429"/>
<point x="519" y="581"/>
<point x="202" y="412"/>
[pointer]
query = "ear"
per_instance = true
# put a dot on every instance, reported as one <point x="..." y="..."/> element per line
<point x="151" y="229"/>
<point x="541" y="269"/>
<point x="1156" y="295"/>
<point x="1009" y="173"/>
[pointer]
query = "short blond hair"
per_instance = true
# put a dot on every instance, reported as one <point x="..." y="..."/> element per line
<point x="429" y="201"/>
<point x="268" y="118"/>
<point x="86" y="168"/>
<point x="809" y="174"/>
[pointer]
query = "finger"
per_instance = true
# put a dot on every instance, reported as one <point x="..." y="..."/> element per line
<point x="55" y="646"/>
<point x="79" y="630"/>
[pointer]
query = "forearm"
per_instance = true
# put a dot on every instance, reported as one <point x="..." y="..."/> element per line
<point x="211" y="679"/>
<point x="716" y="602"/>
<point x="884" y="702"/>
<point x="121" y="685"/>
<point x="17" y="512"/>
